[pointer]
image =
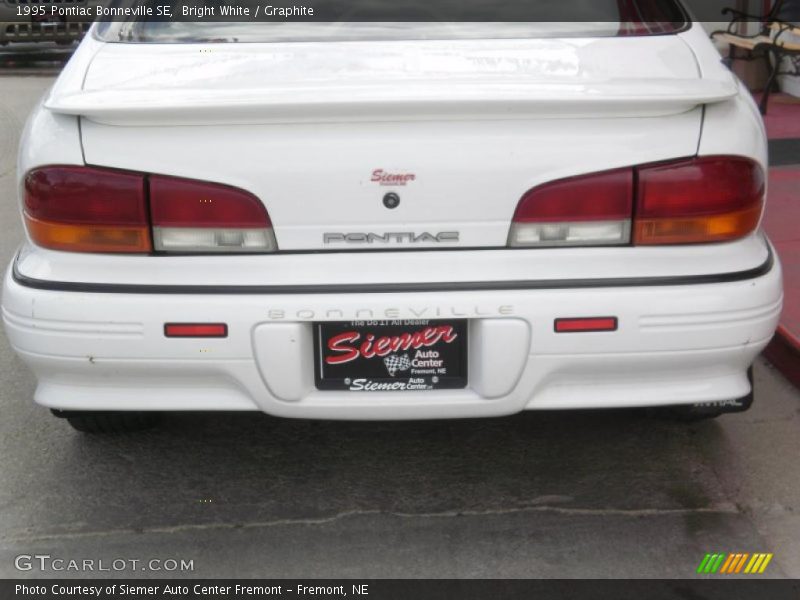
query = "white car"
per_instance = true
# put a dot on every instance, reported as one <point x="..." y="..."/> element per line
<point x="392" y="221"/>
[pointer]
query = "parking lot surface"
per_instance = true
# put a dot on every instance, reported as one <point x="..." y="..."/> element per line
<point x="581" y="494"/>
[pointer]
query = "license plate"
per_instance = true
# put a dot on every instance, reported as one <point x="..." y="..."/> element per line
<point x="391" y="356"/>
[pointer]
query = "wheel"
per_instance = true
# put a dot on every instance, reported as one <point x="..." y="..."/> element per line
<point x="108" y="421"/>
<point x="689" y="413"/>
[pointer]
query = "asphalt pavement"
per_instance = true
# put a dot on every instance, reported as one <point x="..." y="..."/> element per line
<point x="570" y="494"/>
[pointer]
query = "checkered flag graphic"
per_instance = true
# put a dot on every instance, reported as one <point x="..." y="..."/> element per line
<point x="395" y="363"/>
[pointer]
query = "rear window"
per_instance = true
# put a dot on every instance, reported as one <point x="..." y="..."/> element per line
<point x="356" y="20"/>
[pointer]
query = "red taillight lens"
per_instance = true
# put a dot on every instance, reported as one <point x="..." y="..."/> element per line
<point x="595" y="197"/>
<point x="178" y="202"/>
<point x="196" y="216"/>
<point x="586" y="210"/>
<point x="86" y="209"/>
<point x="706" y="199"/>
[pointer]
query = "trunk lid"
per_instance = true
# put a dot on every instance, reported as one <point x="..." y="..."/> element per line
<point x="459" y="130"/>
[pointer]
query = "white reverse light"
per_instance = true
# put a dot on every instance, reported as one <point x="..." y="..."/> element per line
<point x="204" y="239"/>
<point x="588" y="233"/>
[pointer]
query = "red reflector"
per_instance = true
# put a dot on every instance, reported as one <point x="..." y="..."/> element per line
<point x="584" y="324"/>
<point x="176" y="202"/>
<point x="209" y="330"/>
<point x="605" y="196"/>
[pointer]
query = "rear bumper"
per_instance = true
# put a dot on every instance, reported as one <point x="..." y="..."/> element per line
<point x="676" y="343"/>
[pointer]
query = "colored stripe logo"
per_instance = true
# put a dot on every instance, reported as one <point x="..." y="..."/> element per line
<point x="738" y="562"/>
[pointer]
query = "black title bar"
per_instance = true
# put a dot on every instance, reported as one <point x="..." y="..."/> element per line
<point x="45" y="12"/>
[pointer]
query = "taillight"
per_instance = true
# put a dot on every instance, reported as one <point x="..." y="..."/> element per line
<point x="707" y="199"/>
<point x="697" y="200"/>
<point x="590" y="209"/>
<point x="91" y="209"/>
<point x="195" y="216"/>
<point x="84" y="209"/>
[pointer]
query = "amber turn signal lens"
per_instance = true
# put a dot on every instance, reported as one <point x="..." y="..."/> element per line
<point x="692" y="230"/>
<point x="88" y="238"/>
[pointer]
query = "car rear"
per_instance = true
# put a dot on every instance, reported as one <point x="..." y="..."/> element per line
<point x="388" y="228"/>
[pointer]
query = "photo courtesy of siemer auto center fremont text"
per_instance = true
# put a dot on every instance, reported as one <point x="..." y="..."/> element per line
<point x="430" y="299"/>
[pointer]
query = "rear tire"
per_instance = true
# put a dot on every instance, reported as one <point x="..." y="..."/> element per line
<point x="108" y="421"/>
<point x="691" y="413"/>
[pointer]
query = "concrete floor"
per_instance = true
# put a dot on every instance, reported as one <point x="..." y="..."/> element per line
<point x="535" y="495"/>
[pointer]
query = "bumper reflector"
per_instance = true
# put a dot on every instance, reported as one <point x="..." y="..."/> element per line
<point x="196" y="330"/>
<point x="585" y="324"/>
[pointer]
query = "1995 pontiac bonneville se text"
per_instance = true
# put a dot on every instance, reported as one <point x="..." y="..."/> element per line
<point x="393" y="221"/>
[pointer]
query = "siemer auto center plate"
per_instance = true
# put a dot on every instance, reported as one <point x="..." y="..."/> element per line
<point x="409" y="355"/>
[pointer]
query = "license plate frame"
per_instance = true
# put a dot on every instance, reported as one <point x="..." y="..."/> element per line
<point x="419" y="355"/>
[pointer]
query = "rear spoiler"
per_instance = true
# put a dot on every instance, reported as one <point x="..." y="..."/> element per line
<point x="391" y="101"/>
